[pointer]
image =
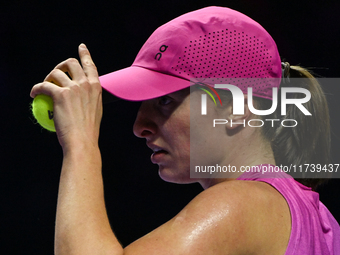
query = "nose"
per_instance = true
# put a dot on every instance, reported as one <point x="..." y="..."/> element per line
<point x="145" y="125"/>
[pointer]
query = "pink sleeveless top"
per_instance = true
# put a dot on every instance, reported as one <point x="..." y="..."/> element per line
<point x="314" y="229"/>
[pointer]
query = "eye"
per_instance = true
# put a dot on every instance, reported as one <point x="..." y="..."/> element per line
<point x="165" y="100"/>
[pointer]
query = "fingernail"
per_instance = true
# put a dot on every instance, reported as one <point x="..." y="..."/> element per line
<point x="82" y="46"/>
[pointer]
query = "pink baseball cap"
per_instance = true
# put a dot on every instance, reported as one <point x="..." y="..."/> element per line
<point x="213" y="42"/>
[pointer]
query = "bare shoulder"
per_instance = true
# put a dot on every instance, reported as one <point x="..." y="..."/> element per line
<point x="258" y="214"/>
<point x="233" y="217"/>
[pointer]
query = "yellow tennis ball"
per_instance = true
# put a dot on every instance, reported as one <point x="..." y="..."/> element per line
<point x="42" y="109"/>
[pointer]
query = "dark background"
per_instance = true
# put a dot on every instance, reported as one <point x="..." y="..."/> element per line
<point x="37" y="35"/>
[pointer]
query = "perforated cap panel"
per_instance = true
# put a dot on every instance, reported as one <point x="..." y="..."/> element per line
<point x="228" y="56"/>
<point x="225" y="54"/>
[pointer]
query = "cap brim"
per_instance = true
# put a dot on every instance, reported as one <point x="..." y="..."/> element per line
<point x="136" y="83"/>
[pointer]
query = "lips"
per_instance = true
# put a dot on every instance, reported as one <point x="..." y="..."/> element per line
<point x="155" y="148"/>
<point x="158" y="154"/>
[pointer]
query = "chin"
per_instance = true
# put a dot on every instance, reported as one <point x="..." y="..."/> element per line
<point x="174" y="175"/>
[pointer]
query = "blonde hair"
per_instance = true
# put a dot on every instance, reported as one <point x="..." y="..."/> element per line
<point x="309" y="141"/>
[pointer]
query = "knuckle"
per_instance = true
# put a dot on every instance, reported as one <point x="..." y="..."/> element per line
<point x="67" y="63"/>
<point x="97" y="88"/>
<point x="39" y="88"/>
<point x="64" y="94"/>
<point x="43" y="85"/>
<point x="50" y="75"/>
<point x="54" y="72"/>
<point x="71" y="61"/>
<point x="89" y="63"/>
<point x="74" y="86"/>
<point x="84" y="83"/>
<point x="94" y="80"/>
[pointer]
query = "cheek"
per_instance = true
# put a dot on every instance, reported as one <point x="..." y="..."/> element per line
<point x="179" y="129"/>
<point x="179" y="142"/>
<point x="207" y="141"/>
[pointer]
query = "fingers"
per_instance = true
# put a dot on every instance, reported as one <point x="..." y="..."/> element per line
<point x="79" y="73"/>
<point x="76" y="93"/>
<point x="88" y="65"/>
<point x="59" y="78"/>
<point x="84" y="74"/>
<point x="72" y="67"/>
<point x="47" y="88"/>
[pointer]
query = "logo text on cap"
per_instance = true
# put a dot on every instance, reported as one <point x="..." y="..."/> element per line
<point x="161" y="49"/>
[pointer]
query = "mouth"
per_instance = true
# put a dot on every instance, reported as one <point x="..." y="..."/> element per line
<point x="158" y="150"/>
<point x="158" y="153"/>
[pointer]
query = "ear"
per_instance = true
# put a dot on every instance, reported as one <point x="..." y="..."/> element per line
<point x="239" y="120"/>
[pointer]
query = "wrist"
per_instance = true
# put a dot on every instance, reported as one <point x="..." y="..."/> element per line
<point x="83" y="151"/>
<point x="80" y="143"/>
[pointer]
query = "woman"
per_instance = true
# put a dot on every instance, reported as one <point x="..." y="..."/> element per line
<point x="237" y="213"/>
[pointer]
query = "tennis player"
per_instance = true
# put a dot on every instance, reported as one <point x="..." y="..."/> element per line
<point x="241" y="212"/>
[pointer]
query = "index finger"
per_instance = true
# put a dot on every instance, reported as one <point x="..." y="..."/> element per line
<point x="89" y="67"/>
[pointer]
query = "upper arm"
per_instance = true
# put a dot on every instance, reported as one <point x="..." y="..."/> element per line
<point x="217" y="221"/>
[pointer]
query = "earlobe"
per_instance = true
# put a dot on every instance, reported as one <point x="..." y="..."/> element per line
<point x="239" y="120"/>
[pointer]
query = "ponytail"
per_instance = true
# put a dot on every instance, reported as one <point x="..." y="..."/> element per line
<point x="309" y="141"/>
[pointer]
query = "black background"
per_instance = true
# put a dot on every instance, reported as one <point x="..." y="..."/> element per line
<point x="37" y="35"/>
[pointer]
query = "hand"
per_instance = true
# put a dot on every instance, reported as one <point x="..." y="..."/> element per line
<point x="77" y="100"/>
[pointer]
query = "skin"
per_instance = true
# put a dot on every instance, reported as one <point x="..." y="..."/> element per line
<point x="228" y="217"/>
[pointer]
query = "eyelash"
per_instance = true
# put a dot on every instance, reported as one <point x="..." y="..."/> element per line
<point x="161" y="100"/>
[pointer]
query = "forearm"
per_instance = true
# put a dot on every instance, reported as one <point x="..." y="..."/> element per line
<point x="82" y="225"/>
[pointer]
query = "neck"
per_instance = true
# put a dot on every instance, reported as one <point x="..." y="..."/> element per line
<point x="244" y="152"/>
